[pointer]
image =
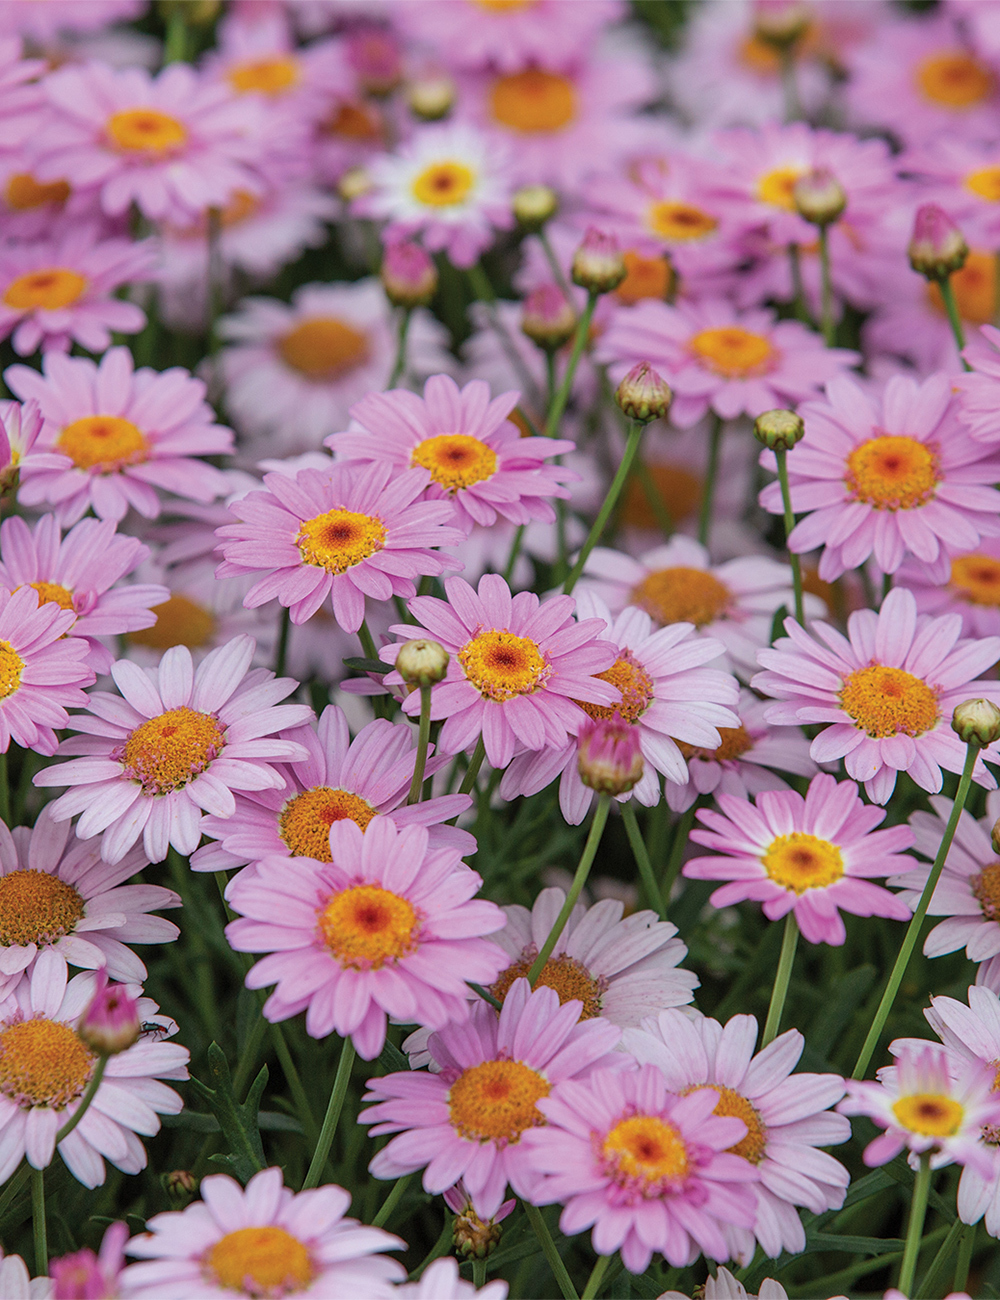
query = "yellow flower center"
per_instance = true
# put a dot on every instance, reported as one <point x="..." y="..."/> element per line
<point x="50" y="593"/>
<point x="735" y="742"/>
<point x="778" y="187"/>
<point x="146" y="130"/>
<point x="954" y="80"/>
<point x="241" y="207"/>
<point x="678" y="489"/>
<point x="757" y="55"/>
<point x="304" y="822"/>
<point x="799" y="862"/>
<point x="443" y="184"/>
<point x="43" y="1063"/>
<point x="366" y="926"/>
<point x="504" y="6"/>
<point x="753" y="1147"/>
<point x="103" y="442"/>
<point x="977" y="578"/>
<point x="353" y="121"/>
<point x="323" y="348"/>
<point x="533" y="100"/>
<point x="885" y="701"/>
<point x="24" y="192"/>
<point x="892" y="473"/>
<point x="682" y="595"/>
<point x="986" y="890"/>
<point x="11" y="668"/>
<point x="339" y="539"/>
<point x="260" y="1262"/>
<point x="975" y="289"/>
<point x="932" y="1114"/>
<point x="986" y="183"/>
<point x="455" y="460"/>
<point x="682" y="222"/>
<point x="570" y="979"/>
<point x="168" y="751"/>
<point x="733" y="351"/>
<point x="179" y="621"/>
<point x="36" y="907"/>
<point x="45" y="290"/>
<point x="501" y="665"/>
<point x="495" y="1101"/>
<point x="636" y="687"/>
<point x="647" y="1150"/>
<point x="645" y="277"/>
<point x="265" y="76"/>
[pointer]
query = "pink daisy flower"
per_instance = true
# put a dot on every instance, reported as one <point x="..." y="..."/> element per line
<point x="46" y="1066"/>
<point x="724" y="1286"/>
<point x="472" y="455"/>
<point x="786" y="1116"/>
<point x="19" y="430"/>
<point x="978" y="390"/>
<point x="41" y="670"/>
<point x="77" y="572"/>
<point x="517" y="666"/>
<point x="17" y="1283"/>
<point x="174" y="743"/>
<point x="173" y="144"/>
<point x="812" y="856"/>
<point x="440" y="1281"/>
<point x="887" y="691"/>
<point x="120" y="434"/>
<point x="962" y="175"/>
<point x="886" y="478"/>
<point x="262" y="1240"/>
<point x="470" y="1118"/>
<point x="647" y="1169"/>
<point x="343" y="533"/>
<point x="341" y="779"/>
<point x="388" y="927"/>
<point x="971" y="589"/>
<point x="70" y="903"/>
<point x="83" y="1269"/>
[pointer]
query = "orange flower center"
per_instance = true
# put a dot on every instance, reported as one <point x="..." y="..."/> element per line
<point x="25" y="193"/>
<point x="533" y="101"/>
<point x="36" y="907"/>
<point x="43" y="1063"/>
<point x="103" y="442"/>
<point x="179" y="621"/>
<point x="645" y="277"/>
<point x="985" y="888"/>
<point x="636" y="687"/>
<point x="271" y="77"/>
<point x="495" y="1101"/>
<point x="304" y="822"/>
<point x="975" y="289"/>
<point x="146" y="130"/>
<point x="443" y="184"/>
<point x="732" y="351"/>
<point x="892" y="473"/>
<point x="931" y="1114"/>
<point x="168" y="751"/>
<point x="46" y="290"/>
<point x="504" y="6"/>
<point x="799" y="862"/>
<point x="455" y="460"/>
<point x="753" y="1147"/>
<point x="501" y="665"/>
<point x="339" y="539"/>
<point x="51" y="593"/>
<point x="682" y="223"/>
<point x="648" y="1151"/>
<point x="11" y="668"/>
<point x="260" y="1262"/>
<point x="954" y="79"/>
<point x="977" y="578"/>
<point x="323" y="348"/>
<point x="353" y="121"/>
<point x="735" y="742"/>
<point x="682" y="595"/>
<point x="778" y="187"/>
<point x="886" y="701"/>
<point x="985" y="183"/>
<point x="366" y="926"/>
<point x="570" y="979"/>
<point x="678" y="489"/>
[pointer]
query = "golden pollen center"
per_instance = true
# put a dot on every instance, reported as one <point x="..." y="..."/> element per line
<point x="43" y="1063"/>
<point x="636" y="687"/>
<point x="45" y="290"/>
<point x="646" y="1150"/>
<point x="799" y="862"/>
<point x="954" y="80"/>
<point x="645" y="277"/>
<point x="753" y="1147"/>
<point x="170" y="750"/>
<point x="304" y="822"/>
<point x="339" y="539"/>
<point x="323" y="348"/>
<point x="443" y="184"/>
<point x="986" y="890"/>
<point x="931" y="1114"/>
<point x="146" y="130"/>
<point x="455" y="460"/>
<point x="353" y="121"/>
<point x="735" y="743"/>
<point x="892" y="473"/>
<point x="501" y="665"/>
<point x="985" y="183"/>
<point x="570" y="979"/>
<point x="533" y="100"/>
<point x="885" y="701"/>
<point x="25" y="193"/>
<point x="778" y="187"/>
<point x="36" y="907"/>
<point x="179" y="621"/>
<point x="680" y="222"/>
<point x="11" y="667"/>
<point x="732" y="351"/>
<point x="103" y="442"/>
<point x="977" y="578"/>
<point x="265" y="76"/>
<point x="495" y="1101"/>
<point x="682" y="595"/>
<point x="677" y="488"/>
<point x="366" y="926"/>
<point x="51" y="593"/>
<point x="975" y="289"/>
<point x="260" y="1262"/>
<point x="504" y="6"/>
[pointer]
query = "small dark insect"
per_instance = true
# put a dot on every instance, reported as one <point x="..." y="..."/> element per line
<point x="150" y="1029"/>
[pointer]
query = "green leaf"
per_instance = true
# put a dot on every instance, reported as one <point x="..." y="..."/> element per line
<point x="238" y="1121"/>
<point x="359" y="665"/>
<point x="391" y="1059"/>
<point x="835" y="1012"/>
<point x="778" y="623"/>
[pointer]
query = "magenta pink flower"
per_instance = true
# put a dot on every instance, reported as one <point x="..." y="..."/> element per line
<point x="971" y="587"/>
<point x="84" y="1273"/>
<point x="978" y="390"/>
<point x="811" y="856"/>
<point x="344" y="533"/>
<point x="388" y="927"/>
<point x="19" y="430"/>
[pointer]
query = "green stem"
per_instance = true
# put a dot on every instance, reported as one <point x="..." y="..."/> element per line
<point x="677" y="845"/>
<point x="400" y="363"/>
<point x="515" y="551"/>
<point x="472" y="771"/>
<point x="799" y="307"/>
<point x="215" y="273"/>
<point x="550" y="377"/>
<point x="946" y="1252"/>
<point x="562" y="1277"/>
<point x="965" y="1250"/>
<point x="367" y="641"/>
<point x="789" y="85"/>
<point x="423" y="736"/>
<point x="332" y="1116"/>
<point x="579" y="343"/>
<point x="634" y="833"/>
<point x="614" y="491"/>
<point x="826" y="309"/>
<point x="249" y="1055"/>
<point x="579" y="880"/>
<point x="554" y="266"/>
<point x="38" y="1223"/>
<point x="708" y="492"/>
<point x="596" y="1277"/>
<point x="175" y="46"/>
<point x="659" y="507"/>
<point x="392" y="1200"/>
<point x="913" y="929"/>
<point x="915" y="1228"/>
<point x="4" y="789"/>
<point x="954" y="319"/>
<point x="478" y="1273"/>
<point x="780" y="991"/>
<point x="291" y="1073"/>
<point x="88" y="1096"/>
<point x="996" y="288"/>
<point x="283" y="630"/>
<point x="781" y="456"/>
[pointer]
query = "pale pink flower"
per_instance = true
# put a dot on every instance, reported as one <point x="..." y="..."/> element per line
<point x="978" y="390"/>
<point x="84" y="1273"/>
<point x="440" y="1281"/>
<point x="19" y="430"/>
<point x="724" y="1286"/>
<point x="971" y="588"/>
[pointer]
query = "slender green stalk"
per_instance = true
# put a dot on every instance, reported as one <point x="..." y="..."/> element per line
<point x="88" y="1096"/>
<point x="14" y="1188"/>
<point x="946" y="1252"/>
<point x="789" y="85"/>
<point x="472" y="771"/>
<point x="485" y="994"/>
<point x="515" y="551"/>
<point x="175" y="46"/>
<point x="996" y="288"/>
<point x="579" y="343"/>
<point x="302" y="1107"/>
<point x="392" y="1200"/>
<point x="789" y="943"/>
<point x="708" y="492"/>
<point x="614" y="491"/>
<point x="781" y="456"/>
<point x="965" y="1249"/>
<point x="282" y="653"/>
<point x="215" y="273"/>
<point x="915" y="1227"/>
<point x="596" y="1277"/>
<point x="954" y="319"/>
<point x="826" y="309"/>
<point x="367" y="641"/>
<point x="659" y="507"/>
<point x="4" y="789"/>
<point x="579" y="880"/>
<point x="247" y="1063"/>
<point x="681" y="833"/>
<point x="478" y="1273"/>
<point x="554" y="267"/>
<point x="423" y="737"/>
<point x="550" y="378"/>
<point x="913" y="929"/>
<point x="400" y="363"/>
<point x="332" y="1116"/>
<point x="38" y="1226"/>
<point x="562" y="1277"/>
<point x="639" y="852"/>
<point x="799" y="307"/>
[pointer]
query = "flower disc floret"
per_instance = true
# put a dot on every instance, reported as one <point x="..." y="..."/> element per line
<point x="43" y="1063"/>
<point x="170" y="750"/>
<point x="501" y="665"/>
<point x="533" y="100"/>
<point x="893" y="473"/>
<point x="11" y="668"/>
<point x="339" y="539"/>
<point x="931" y="1114"/>
<point x="103" y="442"/>
<point x="645" y="1154"/>
<point x="323" y="348"/>
<point x="732" y="351"/>
<point x="36" y="907"/>
<point x="800" y="862"/>
<point x="455" y="460"/>
<point x="366" y="926"/>
<point x="985" y="886"/>
<point x="885" y="701"/>
<point x="265" y="1261"/>
<point x="496" y="1101"/>
<point x="443" y="184"/>
<point x="977" y="579"/>
<point x="635" y="684"/>
<point x="567" y="976"/>
<point x="48" y="289"/>
<point x="145" y="130"/>
<point x="305" y="820"/>
<point x="682" y="595"/>
<point x="954" y="79"/>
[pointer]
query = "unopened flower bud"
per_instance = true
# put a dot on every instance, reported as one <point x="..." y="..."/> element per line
<point x="643" y="394"/>
<point x="431" y="98"/>
<point x="781" y="23"/>
<point x="409" y="276"/>
<point x="354" y="182"/>
<point x="598" y="264"/>
<point x="977" y="722"/>
<point x="819" y="197"/>
<point x="422" y="662"/>
<point x="780" y="430"/>
<point x="608" y="755"/>
<point x="547" y="318"/>
<point x="180" y="1184"/>
<point x="534" y="205"/>
<point x="473" y="1237"/>
<point x="111" y="1022"/>
<point x="938" y="247"/>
